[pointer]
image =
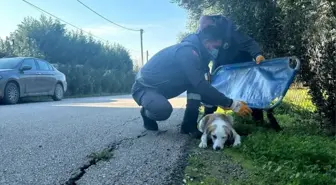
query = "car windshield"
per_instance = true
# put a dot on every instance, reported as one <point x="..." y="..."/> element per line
<point x="9" y="63"/>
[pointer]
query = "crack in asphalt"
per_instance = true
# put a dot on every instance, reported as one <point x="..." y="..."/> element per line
<point x="82" y="170"/>
<point x="130" y="120"/>
<point x="178" y="171"/>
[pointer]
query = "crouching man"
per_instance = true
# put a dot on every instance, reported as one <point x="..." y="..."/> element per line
<point x="176" y="69"/>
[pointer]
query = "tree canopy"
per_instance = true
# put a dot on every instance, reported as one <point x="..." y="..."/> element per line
<point x="49" y="39"/>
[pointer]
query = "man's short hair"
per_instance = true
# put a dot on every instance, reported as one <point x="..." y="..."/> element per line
<point x="206" y="20"/>
<point x="211" y="32"/>
<point x="225" y="25"/>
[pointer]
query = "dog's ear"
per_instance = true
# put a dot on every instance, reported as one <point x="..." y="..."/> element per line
<point x="203" y="122"/>
<point x="210" y="128"/>
<point x="205" y="125"/>
<point x="230" y="118"/>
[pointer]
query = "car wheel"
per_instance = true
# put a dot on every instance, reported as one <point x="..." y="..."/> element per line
<point x="12" y="93"/>
<point x="59" y="92"/>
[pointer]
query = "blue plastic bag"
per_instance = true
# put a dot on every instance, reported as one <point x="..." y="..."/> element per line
<point x="261" y="85"/>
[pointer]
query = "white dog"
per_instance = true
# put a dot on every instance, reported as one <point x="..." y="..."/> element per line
<point x="219" y="128"/>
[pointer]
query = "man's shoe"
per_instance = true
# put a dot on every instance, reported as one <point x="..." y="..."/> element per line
<point x="148" y="123"/>
<point x="196" y="134"/>
<point x="184" y="129"/>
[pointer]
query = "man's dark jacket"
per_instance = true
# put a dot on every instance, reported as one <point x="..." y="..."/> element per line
<point x="179" y="68"/>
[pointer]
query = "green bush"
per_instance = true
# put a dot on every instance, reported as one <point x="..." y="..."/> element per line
<point x="323" y="78"/>
<point x="85" y="80"/>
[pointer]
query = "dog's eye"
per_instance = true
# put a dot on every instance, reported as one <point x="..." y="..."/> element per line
<point x="214" y="136"/>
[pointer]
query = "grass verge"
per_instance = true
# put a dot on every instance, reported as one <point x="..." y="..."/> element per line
<point x="300" y="154"/>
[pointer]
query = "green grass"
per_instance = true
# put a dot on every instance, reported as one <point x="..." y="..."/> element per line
<point x="301" y="154"/>
<point x="104" y="155"/>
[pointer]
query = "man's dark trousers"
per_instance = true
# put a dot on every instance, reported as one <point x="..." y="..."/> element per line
<point x="156" y="106"/>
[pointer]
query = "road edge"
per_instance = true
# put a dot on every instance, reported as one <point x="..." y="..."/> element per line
<point x="177" y="175"/>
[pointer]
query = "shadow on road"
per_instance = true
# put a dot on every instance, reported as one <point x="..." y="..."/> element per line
<point x="33" y="100"/>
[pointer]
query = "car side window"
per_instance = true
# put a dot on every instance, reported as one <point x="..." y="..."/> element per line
<point x="43" y="65"/>
<point x="29" y="62"/>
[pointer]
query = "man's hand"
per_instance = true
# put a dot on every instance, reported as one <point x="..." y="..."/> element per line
<point x="241" y="108"/>
<point x="259" y="59"/>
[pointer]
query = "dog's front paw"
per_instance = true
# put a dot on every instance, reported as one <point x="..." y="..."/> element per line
<point x="236" y="143"/>
<point x="203" y="145"/>
<point x="237" y="140"/>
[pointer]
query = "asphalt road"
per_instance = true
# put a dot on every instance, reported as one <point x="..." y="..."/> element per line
<point x="49" y="143"/>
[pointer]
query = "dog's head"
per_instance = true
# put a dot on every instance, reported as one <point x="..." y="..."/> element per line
<point x="218" y="127"/>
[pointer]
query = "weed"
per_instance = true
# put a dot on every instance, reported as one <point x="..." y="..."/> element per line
<point x="105" y="155"/>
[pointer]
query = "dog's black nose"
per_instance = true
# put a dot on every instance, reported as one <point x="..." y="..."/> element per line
<point x="217" y="148"/>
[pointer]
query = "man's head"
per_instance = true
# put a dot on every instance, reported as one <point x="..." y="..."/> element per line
<point x="211" y="38"/>
<point x="224" y="24"/>
<point x="224" y="28"/>
<point x="215" y="20"/>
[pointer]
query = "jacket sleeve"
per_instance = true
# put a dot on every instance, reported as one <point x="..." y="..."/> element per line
<point x="246" y="43"/>
<point x="192" y="67"/>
